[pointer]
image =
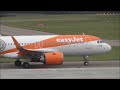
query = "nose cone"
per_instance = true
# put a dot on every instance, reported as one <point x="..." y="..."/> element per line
<point x="108" y="48"/>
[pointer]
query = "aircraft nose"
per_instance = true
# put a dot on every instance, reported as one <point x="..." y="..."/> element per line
<point x="108" y="47"/>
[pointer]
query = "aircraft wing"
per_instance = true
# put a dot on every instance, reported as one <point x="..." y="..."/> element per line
<point x="29" y="53"/>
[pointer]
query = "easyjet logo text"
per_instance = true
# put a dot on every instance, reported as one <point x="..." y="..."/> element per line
<point x="74" y="39"/>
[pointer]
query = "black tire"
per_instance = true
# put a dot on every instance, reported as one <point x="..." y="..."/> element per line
<point x="86" y="63"/>
<point x="17" y="63"/>
<point x="26" y="65"/>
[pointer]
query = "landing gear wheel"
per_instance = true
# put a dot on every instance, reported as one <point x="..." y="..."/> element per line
<point x="17" y="63"/>
<point x="86" y="63"/>
<point x="26" y="65"/>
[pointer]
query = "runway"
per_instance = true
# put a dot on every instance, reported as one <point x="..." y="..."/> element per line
<point x="7" y="30"/>
<point x="69" y="70"/>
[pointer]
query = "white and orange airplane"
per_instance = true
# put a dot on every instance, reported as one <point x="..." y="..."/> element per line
<point x="50" y="49"/>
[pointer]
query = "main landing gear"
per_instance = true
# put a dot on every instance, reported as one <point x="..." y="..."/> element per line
<point x="26" y="65"/>
<point x="86" y="63"/>
<point x="19" y="63"/>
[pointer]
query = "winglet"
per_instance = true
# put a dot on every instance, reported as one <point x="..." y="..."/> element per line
<point x="16" y="43"/>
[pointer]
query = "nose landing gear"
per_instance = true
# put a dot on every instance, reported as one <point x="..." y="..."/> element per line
<point x="86" y="63"/>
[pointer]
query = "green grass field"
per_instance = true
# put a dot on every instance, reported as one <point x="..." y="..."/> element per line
<point x="104" y="26"/>
<point x="114" y="54"/>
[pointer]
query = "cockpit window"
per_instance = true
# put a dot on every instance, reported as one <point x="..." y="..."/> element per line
<point x="100" y="41"/>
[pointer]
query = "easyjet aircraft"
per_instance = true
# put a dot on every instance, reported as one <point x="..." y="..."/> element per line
<point x="50" y="49"/>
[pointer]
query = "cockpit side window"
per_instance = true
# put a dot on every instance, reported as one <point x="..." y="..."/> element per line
<point x="97" y="41"/>
<point x="100" y="41"/>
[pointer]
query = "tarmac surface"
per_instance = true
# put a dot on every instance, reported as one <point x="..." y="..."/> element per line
<point x="69" y="70"/>
<point x="7" y="30"/>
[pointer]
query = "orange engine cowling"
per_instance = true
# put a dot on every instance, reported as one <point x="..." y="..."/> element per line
<point x="53" y="58"/>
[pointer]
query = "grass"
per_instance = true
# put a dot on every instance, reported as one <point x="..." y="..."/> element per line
<point x="104" y="26"/>
<point x="114" y="54"/>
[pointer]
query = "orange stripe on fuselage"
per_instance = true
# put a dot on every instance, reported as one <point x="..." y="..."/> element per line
<point x="52" y="42"/>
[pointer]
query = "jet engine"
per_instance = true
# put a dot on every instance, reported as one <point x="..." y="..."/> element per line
<point x="52" y="58"/>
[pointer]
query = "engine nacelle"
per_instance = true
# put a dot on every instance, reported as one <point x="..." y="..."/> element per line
<point x="53" y="58"/>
